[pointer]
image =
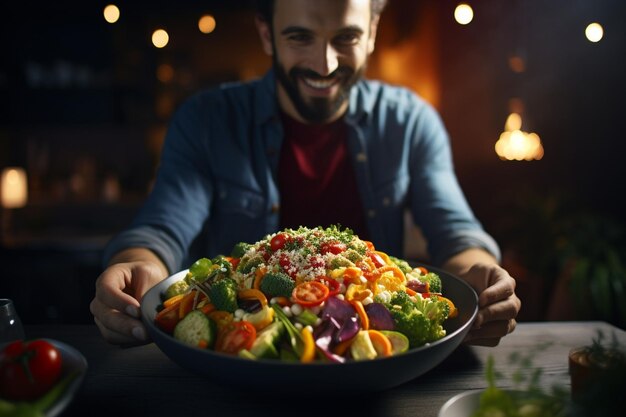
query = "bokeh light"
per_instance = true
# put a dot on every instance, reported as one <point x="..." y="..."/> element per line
<point x="463" y="14"/>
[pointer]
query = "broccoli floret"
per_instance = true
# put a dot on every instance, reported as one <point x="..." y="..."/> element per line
<point x="352" y="255"/>
<point x="223" y="294"/>
<point x="240" y="249"/>
<point x="223" y="266"/>
<point x="248" y="263"/>
<point x="277" y="285"/>
<point x="179" y="287"/>
<point x="420" y="320"/>
<point x="402" y="264"/>
<point x="433" y="280"/>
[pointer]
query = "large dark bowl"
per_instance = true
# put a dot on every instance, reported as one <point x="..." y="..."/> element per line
<point x="369" y="375"/>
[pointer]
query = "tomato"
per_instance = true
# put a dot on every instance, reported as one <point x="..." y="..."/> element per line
<point x="278" y="241"/>
<point x="316" y="261"/>
<point x="287" y="266"/>
<point x="332" y="247"/>
<point x="236" y="336"/>
<point x="310" y="293"/>
<point x="332" y="284"/>
<point x="28" y="369"/>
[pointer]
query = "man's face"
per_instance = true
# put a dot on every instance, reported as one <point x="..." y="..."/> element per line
<point x="319" y="49"/>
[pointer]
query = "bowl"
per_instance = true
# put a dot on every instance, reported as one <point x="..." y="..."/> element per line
<point x="461" y="405"/>
<point x="265" y="374"/>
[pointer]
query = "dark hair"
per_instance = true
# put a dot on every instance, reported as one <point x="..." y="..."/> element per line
<point x="265" y="8"/>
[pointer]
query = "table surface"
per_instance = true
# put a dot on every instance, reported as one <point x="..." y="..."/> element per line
<point x="141" y="380"/>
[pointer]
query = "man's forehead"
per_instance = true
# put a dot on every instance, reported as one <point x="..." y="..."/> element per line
<point x="322" y="14"/>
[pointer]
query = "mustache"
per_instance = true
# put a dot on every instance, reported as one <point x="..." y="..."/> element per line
<point x="308" y="73"/>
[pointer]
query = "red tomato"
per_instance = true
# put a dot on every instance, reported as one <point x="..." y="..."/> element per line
<point x="279" y="241"/>
<point x="310" y="293"/>
<point x="332" y="284"/>
<point x="332" y="247"/>
<point x="28" y="369"/>
<point x="236" y="336"/>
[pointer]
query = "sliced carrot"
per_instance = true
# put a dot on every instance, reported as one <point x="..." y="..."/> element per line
<point x="259" y="274"/>
<point x="186" y="304"/>
<point x="173" y="300"/>
<point x="410" y="291"/>
<point x="381" y="343"/>
<point x="308" y="352"/>
<point x="358" y="306"/>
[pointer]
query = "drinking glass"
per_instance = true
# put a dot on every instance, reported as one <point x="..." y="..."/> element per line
<point x="11" y="327"/>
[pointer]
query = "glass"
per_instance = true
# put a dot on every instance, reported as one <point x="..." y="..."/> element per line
<point x="10" y="324"/>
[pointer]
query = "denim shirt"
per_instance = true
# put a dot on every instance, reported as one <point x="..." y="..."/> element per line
<point x="217" y="180"/>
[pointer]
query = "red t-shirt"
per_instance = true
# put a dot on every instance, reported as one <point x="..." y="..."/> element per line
<point x="316" y="178"/>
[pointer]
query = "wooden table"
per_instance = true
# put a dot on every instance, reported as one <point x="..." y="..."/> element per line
<point x="142" y="381"/>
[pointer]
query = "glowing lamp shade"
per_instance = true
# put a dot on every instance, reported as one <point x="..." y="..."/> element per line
<point x="13" y="188"/>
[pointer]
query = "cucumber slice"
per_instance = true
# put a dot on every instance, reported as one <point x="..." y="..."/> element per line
<point x="399" y="342"/>
<point x="194" y="328"/>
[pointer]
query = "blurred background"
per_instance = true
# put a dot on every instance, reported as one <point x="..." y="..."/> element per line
<point x="531" y="92"/>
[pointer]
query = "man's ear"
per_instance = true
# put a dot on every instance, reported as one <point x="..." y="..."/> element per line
<point x="265" y="33"/>
<point x="371" y="42"/>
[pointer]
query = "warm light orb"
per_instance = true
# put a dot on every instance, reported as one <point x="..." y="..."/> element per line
<point x="206" y="24"/>
<point x="13" y="187"/>
<point x="517" y="145"/>
<point x="160" y="38"/>
<point x="463" y="14"/>
<point x="165" y="73"/>
<point x="111" y="13"/>
<point x="594" y="32"/>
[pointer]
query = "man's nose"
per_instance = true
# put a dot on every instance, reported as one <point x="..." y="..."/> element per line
<point x="326" y="60"/>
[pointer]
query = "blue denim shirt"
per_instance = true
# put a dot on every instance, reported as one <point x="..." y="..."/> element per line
<point x="216" y="183"/>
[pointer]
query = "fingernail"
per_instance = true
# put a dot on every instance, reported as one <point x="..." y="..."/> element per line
<point x="139" y="333"/>
<point x="132" y="311"/>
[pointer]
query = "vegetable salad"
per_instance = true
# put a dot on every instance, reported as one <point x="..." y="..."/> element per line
<point x="306" y="294"/>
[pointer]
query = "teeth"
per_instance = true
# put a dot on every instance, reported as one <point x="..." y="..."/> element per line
<point x="321" y="84"/>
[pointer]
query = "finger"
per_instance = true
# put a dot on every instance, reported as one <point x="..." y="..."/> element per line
<point x="114" y="337"/>
<point x="501" y="289"/>
<point x="503" y="310"/>
<point x="116" y="326"/>
<point x="110" y="292"/>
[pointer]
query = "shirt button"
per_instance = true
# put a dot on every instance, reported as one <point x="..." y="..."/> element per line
<point x="371" y="213"/>
<point x="361" y="157"/>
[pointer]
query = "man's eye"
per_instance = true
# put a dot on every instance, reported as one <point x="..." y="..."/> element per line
<point x="347" y="39"/>
<point x="300" y="38"/>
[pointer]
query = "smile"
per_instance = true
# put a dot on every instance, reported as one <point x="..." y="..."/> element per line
<point x="319" y="84"/>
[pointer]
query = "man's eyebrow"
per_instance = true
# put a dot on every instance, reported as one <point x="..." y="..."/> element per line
<point x="299" y="29"/>
<point x="294" y="29"/>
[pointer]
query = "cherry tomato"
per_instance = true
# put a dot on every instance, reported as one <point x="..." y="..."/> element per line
<point x="332" y="247"/>
<point x="332" y="284"/>
<point x="236" y="336"/>
<point x="28" y="369"/>
<point x="310" y="293"/>
<point x="278" y="241"/>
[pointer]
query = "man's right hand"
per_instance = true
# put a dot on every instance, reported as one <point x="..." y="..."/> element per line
<point x="119" y="290"/>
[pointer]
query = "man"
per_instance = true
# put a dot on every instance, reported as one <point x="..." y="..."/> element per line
<point x="311" y="143"/>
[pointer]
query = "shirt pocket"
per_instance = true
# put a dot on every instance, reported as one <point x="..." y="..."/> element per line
<point x="238" y="201"/>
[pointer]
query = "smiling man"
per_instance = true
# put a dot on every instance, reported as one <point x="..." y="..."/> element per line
<point x="312" y="143"/>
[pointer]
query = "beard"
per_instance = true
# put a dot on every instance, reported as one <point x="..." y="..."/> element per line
<point x="316" y="110"/>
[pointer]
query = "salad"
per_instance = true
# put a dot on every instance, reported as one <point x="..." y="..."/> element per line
<point x="306" y="294"/>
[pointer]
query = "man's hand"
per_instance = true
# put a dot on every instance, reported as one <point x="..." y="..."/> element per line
<point x="498" y="305"/>
<point x="119" y="290"/>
